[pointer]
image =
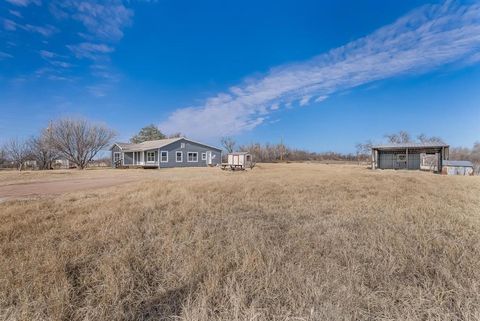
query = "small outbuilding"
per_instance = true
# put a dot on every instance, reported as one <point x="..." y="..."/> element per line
<point x="238" y="160"/>
<point x="419" y="156"/>
<point x="451" y="167"/>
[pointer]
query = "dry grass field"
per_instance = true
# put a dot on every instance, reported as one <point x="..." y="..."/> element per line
<point x="280" y="242"/>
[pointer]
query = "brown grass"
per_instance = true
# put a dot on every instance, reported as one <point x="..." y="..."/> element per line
<point x="281" y="242"/>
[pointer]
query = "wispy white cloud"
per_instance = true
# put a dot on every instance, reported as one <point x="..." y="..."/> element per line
<point x="15" y="13"/>
<point x="94" y="28"/>
<point x="45" y="31"/>
<point x="99" y="90"/>
<point x="103" y="21"/>
<point x="4" y="55"/>
<point x="305" y="100"/>
<point x="47" y="54"/>
<point x="104" y="72"/>
<point x="421" y="41"/>
<point x="9" y="25"/>
<point x="24" y="3"/>
<point x="60" y="64"/>
<point x="50" y="74"/>
<point x="320" y="98"/>
<point x="90" y="50"/>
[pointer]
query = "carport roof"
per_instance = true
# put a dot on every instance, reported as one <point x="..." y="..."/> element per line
<point x="410" y="145"/>
<point x="457" y="163"/>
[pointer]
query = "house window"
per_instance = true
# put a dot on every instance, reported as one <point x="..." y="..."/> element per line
<point x="182" y="145"/>
<point x="179" y="157"/>
<point x="192" y="157"/>
<point x="164" y="156"/>
<point x="204" y="156"/>
<point x="150" y="157"/>
<point x="116" y="156"/>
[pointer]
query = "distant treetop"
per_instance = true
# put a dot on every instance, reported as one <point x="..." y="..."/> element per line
<point x="150" y="132"/>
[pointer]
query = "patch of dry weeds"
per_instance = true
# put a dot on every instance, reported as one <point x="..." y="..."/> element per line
<point x="281" y="242"/>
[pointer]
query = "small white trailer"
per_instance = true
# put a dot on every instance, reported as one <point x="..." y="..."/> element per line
<point x="239" y="160"/>
<point x="463" y="168"/>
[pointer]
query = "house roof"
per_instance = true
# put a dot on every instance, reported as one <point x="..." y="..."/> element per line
<point x="155" y="144"/>
<point x="457" y="163"/>
<point x="410" y="145"/>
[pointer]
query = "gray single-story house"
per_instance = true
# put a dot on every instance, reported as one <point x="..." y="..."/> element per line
<point x="165" y="153"/>
<point x="424" y="156"/>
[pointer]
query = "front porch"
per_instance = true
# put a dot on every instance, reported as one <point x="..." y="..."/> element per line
<point x="137" y="159"/>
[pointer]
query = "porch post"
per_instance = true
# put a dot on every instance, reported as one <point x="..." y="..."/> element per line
<point x="374" y="159"/>
<point x="407" y="158"/>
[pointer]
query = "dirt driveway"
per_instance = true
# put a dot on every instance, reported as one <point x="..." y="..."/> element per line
<point x="25" y="185"/>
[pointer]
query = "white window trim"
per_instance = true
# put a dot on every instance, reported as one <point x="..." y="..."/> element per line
<point x="151" y="161"/>
<point x="176" y="156"/>
<point x="161" y="157"/>
<point x="196" y="157"/>
<point x="204" y="156"/>
<point x="182" y="145"/>
<point x="119" y="157"/>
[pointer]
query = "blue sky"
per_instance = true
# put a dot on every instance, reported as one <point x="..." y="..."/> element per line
<point x="319" y="75"/>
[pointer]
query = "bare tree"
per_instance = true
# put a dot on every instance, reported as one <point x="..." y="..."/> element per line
<point x="3" y="156"/>
<point x="422" y="138"/>
<point x="18" y="152"/>
<point x="399" y="138"/>
<point x="475" y="157"/>
<point x="176" y="135"/>
<point x="228" y="143"/>
<point x="79" y="140"/>
<point x="476" y="152"/>
<point x="363" y="150"/>
<point x="42" y="150"/>
<point x="279" y="152"/>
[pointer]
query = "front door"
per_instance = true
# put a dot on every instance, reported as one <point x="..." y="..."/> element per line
<point x="209" y="158"/>
<point x="116" y="158"/>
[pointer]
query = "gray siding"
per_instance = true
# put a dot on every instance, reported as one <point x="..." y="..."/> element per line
<point x="171" y="149"/>
<point x="385" y="160"/>
<point x="115" y="149"/>
<point x="388" y="160"/>
<point x="189" y="147"/>
<point x="414" y="161"/>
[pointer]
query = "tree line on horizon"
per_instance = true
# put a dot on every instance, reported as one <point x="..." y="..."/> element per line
<point x="74" y="139"/>
<point x="269" y="152"/>
<point x="79" y="141"/>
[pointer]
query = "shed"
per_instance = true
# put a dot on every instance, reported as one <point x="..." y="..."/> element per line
<point x="452" y="167"/>
<point x="419" y="156"/>
<point x="238" y="160"/>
